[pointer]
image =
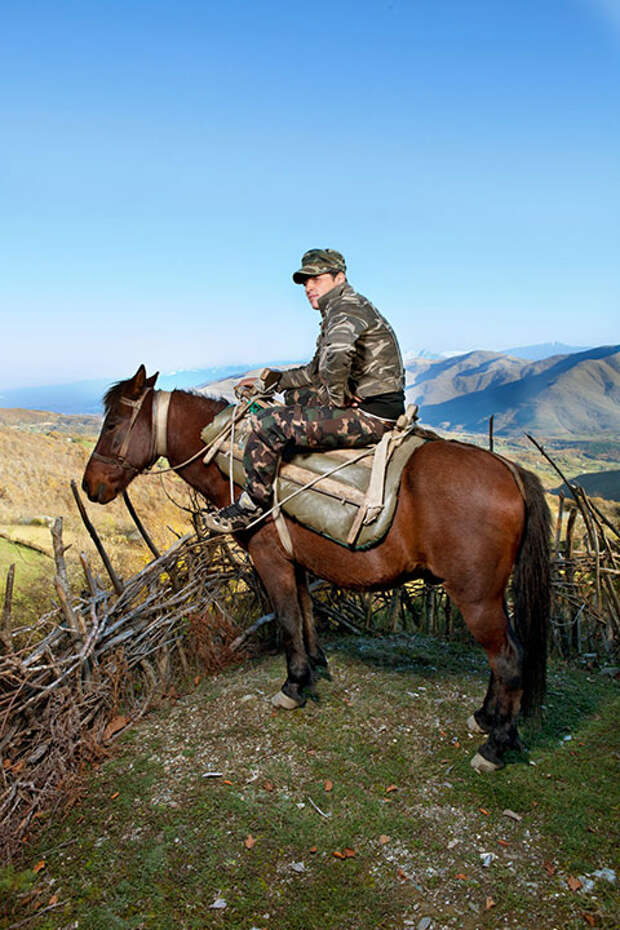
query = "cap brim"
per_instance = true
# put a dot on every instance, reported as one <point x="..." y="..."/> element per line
<point x="311" y="272"/>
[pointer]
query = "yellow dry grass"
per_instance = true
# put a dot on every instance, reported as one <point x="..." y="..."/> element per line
<point x="35" y="474"/>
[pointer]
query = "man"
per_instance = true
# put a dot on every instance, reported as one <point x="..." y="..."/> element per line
<point x="347" y="396"/>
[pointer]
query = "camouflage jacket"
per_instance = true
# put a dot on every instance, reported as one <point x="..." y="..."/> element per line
<point x="356" y="351"/>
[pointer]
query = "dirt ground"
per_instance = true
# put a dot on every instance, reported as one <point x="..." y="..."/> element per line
<point x="360" y="811"/>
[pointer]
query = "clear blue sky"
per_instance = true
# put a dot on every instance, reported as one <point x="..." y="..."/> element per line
<point x="164" y="164"/>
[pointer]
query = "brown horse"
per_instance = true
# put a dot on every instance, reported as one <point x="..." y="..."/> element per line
<point x="464" y="519"/>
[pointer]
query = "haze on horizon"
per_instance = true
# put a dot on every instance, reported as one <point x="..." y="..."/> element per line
<point x="166" y="165"/>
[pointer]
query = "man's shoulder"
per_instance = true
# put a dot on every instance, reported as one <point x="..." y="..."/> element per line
<point x="350" y="301"/>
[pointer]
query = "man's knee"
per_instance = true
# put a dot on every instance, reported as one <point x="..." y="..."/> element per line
<point x="278" y="427"/>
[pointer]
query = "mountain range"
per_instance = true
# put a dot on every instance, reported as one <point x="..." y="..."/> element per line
<point x="573" y="394"/>
<point x="85" y="396"/>
<point x="559" y="396"/>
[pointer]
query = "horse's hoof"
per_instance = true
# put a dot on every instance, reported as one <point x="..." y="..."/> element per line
<point x="483" y="766"/>
<point x="473" y="726"/>
<point x="284" y="701"/>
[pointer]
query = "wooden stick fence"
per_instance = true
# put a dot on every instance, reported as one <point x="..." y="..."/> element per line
<point x="101" y="652"/>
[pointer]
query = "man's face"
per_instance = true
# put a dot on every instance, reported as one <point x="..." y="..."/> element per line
<point x="321" y="284"/>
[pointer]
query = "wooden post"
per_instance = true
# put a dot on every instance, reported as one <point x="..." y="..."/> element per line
<point x="449" y="618"/>
<point x="116" y="582"/>
<point x="558" y="525"/>
<point x="491" y="432"/>
<point x="394" y="610"/>
<point x="88" y="574"/>
<point x="6" y="640"/>
<point x="141" y="529"/>
<point x="61" y="581"/>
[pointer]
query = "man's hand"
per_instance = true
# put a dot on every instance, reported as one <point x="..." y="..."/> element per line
<point x="267" y="381"/>
<point x="245" y="387"/>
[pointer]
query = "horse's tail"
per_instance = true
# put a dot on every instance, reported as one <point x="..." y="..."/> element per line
<point x="531" y="591"/>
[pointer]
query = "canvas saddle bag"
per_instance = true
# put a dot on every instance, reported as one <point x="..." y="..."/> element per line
<point x="347" y="495"/>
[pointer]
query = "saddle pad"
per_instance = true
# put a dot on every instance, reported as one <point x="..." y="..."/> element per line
<point x="331" y="505"/>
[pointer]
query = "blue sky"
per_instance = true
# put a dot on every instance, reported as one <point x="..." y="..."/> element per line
<point x="164" y="165"/>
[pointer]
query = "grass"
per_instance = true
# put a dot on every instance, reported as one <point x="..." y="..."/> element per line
<point x="32" y="585"/>
<point x="35" y="474"/>
<point x="385" y="754"/>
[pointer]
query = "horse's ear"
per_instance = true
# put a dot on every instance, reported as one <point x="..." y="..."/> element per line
<point x="138" y="381"/>
<point x="150" y="382"/>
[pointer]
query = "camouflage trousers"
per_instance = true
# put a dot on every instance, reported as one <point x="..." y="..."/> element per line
<point x="298" y="425"/>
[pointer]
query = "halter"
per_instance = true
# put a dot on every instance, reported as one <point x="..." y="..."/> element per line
<point x="159" y="417"/>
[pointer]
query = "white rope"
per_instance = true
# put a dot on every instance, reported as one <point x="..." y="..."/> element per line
<point x="231" y="480"/>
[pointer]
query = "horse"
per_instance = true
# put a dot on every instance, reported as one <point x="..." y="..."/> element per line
<point x="465" y="518"/>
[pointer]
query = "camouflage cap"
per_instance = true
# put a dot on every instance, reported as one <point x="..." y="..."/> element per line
<point x="319" y="261"/>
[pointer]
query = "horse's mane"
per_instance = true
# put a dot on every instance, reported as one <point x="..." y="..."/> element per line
<point x="114" y="394"/>
<point x="116" y="391"/>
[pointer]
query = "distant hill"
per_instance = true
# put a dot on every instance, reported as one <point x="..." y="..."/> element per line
<point x="561" y="396"/>
<point x="604" y="484"/>
<point x="45" y="421"/>
<point x="544" y="350"/>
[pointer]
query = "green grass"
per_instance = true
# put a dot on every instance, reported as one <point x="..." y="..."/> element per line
<point x="159" y="853"/>
<point x="32" y="587"/>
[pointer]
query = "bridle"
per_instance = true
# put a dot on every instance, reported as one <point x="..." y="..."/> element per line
<point x="158" y="434"/>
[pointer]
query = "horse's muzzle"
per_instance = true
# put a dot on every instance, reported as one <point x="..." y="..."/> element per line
<point x="99" y="492"/>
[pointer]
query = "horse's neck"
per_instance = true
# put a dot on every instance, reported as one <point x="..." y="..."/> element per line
<point x="188" y="414"/>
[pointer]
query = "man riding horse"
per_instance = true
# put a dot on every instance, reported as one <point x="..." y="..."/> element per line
<point x="349" y="395"/>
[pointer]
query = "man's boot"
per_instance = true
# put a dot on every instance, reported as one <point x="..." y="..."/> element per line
<point x="237" y="516"/>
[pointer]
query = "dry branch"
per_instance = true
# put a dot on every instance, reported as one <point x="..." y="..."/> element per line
<point x="5" y="627"/>
<point x="116" y="582"/>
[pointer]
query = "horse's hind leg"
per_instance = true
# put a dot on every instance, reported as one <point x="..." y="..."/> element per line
<point x="497" y="716"/>
<point x="318" y="659"/>
<point x="481" y="721"/>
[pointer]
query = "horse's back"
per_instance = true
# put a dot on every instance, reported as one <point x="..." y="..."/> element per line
<point x="467" y="475"/>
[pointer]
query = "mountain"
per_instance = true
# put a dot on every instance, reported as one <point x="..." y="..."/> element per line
<point x="435" y="382"/>
<point x="561" y="397"/>
<point x="544" y="350"/>
<point x="565" y="395"/>
<point x="531" y="353"/>
<point x="604" y="484"/>
<point x="575" y="394"/>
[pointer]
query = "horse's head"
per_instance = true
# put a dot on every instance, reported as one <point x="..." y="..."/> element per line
<point x="125" y="445"/>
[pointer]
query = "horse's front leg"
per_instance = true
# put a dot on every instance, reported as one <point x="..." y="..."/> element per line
<point x="278" y="575"/>
<point x="316" y="656"/>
